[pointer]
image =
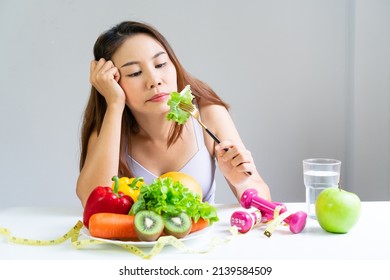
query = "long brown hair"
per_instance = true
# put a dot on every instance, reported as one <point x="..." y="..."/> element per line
<point x="105" y="46"/>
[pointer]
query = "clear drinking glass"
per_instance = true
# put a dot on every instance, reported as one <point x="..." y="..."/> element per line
<point x="319" y="174"/>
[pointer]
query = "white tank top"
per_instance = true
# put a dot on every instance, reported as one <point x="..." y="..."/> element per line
<point x="201" y="166"/>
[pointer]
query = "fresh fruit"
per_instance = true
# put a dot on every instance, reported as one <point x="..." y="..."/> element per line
<point x="121" y="226"/>
<point x="187" y="180"/>
<point x="337" y="210"/>
<point x="148" y="225"/>
<point x="177" y="225"/>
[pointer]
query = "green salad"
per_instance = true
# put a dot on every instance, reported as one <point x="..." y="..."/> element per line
<point x="164" y="195"/>
<point x="175" y="113"/>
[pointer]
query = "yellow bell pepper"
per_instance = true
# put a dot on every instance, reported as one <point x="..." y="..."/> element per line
<point x="130" y="186"/>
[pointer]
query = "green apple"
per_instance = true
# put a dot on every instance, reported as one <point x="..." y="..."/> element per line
<point x="337" y="210"/>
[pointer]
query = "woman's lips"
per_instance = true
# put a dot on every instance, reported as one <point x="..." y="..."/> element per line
<point x="159" y="97"/>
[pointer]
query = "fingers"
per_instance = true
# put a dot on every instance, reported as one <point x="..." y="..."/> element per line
<point x="101" y="64"/>
<point x="104" y="77"/>
<point x="103" y="70"/>
<point x="237" y="156"/>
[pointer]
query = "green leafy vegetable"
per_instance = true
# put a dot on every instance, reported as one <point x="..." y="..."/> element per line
<point x="175" y="113"/>
<point x="167" y="196"/>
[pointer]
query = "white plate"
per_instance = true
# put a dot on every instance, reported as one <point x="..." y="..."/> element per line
<point x="84" y="231"/>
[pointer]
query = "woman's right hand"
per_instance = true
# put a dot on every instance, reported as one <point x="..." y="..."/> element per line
<point x="104" y="76"/>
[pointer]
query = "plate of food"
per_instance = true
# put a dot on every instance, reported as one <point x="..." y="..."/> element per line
<point x="194" y="235"/>
<point x="164" y="207"/>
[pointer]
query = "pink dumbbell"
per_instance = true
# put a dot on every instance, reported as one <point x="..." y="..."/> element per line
<point x="296" y="221"/>
<point x="245" y="221"/>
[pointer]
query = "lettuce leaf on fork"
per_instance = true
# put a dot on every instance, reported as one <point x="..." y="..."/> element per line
<point x="175" y="113"/>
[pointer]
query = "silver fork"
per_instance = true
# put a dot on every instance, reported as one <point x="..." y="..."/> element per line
<point x="190" y="108"/>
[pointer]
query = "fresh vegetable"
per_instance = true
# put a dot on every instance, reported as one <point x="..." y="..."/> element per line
<point x="122" y="227"/>
<point x="105" y="199"/>
<point x="187" y="180"/>
<point x="165" y="195"/>
<point x="130" y="186"/>
<point x="112" y="226"/>
<point x="199" y="225"/>
<point x="175" y="113"/>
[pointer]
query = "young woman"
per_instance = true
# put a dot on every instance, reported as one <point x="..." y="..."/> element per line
<point x="125" y="131"/>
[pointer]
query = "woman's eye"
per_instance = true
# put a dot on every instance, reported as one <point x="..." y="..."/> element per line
<point x="135" y="74"/>
<point x="161" y="65"/>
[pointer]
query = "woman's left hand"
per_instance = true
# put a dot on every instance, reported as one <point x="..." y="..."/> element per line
<point x="235" y="162"/>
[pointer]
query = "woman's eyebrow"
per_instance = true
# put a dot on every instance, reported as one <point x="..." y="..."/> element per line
<point x="137" y="62"/>
<point x="129" y="63"/>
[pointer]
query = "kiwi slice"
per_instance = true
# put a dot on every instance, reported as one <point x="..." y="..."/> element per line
<point x="177" y="225"/>
<point x="148" y="225"/>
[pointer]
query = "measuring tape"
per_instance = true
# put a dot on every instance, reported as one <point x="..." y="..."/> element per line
<point x="74" y="233"/>
<point x="278" y="219"/>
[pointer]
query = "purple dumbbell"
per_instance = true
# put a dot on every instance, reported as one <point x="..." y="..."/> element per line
<point x="296" y="221"/>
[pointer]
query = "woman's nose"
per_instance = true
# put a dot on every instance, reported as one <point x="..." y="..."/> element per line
<point x="154" y="80"/>
<point x="153" y="85"/>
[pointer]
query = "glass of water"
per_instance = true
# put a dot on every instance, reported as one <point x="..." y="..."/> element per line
<point x="319" y="174"/>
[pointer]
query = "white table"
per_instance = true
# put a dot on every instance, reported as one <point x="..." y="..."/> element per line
<point x="368" y="240"/>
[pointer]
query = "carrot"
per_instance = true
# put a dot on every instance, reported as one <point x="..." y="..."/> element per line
<point x="199" y="225"/>
<point x="121" y="226"/>
<point x="112" y="226"/>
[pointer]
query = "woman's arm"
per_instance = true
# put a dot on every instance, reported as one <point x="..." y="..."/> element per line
<point x="102" y="159"/>
<point x="234" y="160"/>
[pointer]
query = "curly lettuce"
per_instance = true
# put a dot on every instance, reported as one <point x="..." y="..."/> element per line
<point x="175" y="113"/>
<point x="167" y="196"/>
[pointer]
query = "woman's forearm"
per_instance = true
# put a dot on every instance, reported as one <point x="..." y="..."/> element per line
<point x="255" y="182"/>
<point x="102" y="159"/>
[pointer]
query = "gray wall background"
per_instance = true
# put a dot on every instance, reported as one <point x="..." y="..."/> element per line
<point x="305" y="78"/>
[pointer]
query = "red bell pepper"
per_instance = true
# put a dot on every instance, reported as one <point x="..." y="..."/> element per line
<point x="104" y="199"/>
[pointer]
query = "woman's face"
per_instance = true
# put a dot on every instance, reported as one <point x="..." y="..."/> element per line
<point x="147" y="75"/>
